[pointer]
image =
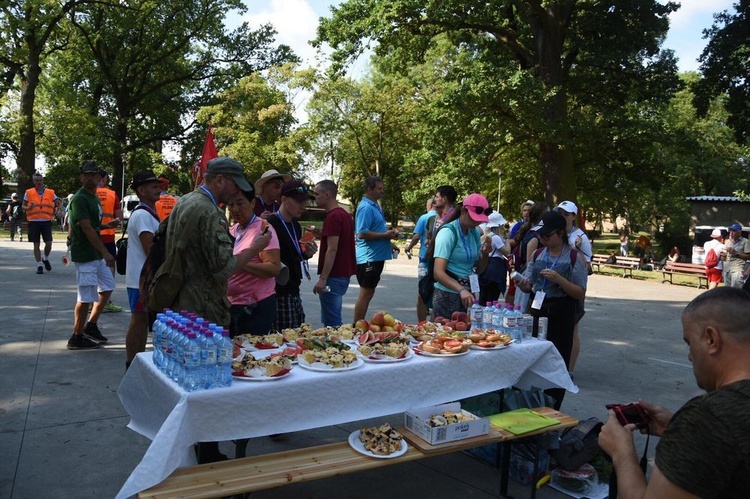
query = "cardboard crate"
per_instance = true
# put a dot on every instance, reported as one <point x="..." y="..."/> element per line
<point x="416" y="421"/>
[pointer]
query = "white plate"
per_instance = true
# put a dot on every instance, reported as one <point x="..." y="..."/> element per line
<point x="498" y="347"/>
<point x="325" y="368"/>
<point x="360" y="447"/>
<point x="430" y="354"/>
<point x="385" y="359"/>
<point x="261" y="378"/>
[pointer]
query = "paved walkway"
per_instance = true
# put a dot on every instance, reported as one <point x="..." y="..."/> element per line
<point x="63" y="431"/>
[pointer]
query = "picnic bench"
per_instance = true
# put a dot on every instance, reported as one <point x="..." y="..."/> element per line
<point x="249" y="474"/>
<point x="626" y="263"/>
<point x="688" y="269"/>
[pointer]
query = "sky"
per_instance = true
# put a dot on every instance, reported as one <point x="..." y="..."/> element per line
<point x="297" y="20"/>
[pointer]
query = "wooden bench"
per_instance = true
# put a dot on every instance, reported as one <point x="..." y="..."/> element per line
<point x="238" y="476"/>
<point x="626" y="263"/>
<point x="688" y="269"/>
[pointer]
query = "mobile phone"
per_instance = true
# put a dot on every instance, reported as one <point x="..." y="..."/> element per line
<point x="630" y="414"/>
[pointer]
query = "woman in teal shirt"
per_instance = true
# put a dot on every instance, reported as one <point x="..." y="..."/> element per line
<point x="458" y="248"/>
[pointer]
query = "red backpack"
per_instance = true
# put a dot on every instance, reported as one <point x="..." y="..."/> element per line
<point x="712" y="259"/>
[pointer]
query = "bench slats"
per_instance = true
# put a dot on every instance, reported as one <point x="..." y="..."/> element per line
<point x="626" y="263"/>
<point x="688" y="269"/>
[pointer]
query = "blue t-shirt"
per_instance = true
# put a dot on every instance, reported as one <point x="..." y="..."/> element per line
<point x="421" y="229"/>
<point x="578" y="274"/>
<point x="370" y="218"/>
<point x="461" y="250"/>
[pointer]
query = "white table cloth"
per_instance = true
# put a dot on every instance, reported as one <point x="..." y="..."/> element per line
<point x="175" y="420"/>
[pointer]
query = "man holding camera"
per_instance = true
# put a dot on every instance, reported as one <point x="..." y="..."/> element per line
<point x="705" y="446"/>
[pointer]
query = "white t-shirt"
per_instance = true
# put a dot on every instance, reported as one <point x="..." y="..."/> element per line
<point x="140" y="221"/>
<point x="585" y="248"/>
<point x="718" y="247"/>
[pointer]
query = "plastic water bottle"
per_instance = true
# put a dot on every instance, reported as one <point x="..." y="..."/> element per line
<point x="178" y="372"/>
<point x="193" y="378"/>
<point x="158" y="327"/>
<point x="208" y="359"/>
<point x="476" y="315"/>
<point x="487" y="316"/>
<point x="422" y="269"/>
<point x="509" y="321"/>
<point x="226" y="349"/>
<point x="519" y="323"/>
<point x="497" y="317"/>
<point x="168" y="342"/>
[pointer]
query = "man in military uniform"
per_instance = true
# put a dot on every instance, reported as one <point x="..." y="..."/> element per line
<point x="199" y="233"/>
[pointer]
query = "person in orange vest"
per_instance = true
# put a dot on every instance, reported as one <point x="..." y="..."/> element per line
<point x="40" y="203"/>
<point x="111" y="216"/>
<point x="166" y="202"/>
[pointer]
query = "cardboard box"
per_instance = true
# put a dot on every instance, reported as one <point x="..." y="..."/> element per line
<point x="416" y="422"/>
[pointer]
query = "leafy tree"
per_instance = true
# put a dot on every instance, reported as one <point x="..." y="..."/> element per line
<point x="30" y="31"/>
<point x="253" y="123"/>
<point x="560" y="50"/>
<point x="725" y="65"/>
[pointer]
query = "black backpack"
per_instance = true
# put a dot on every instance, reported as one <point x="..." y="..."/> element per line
<point x="578" y="445"/>
<point x="154" y="260"/>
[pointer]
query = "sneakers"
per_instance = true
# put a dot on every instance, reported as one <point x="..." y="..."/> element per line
<point x="47" y="265"/>
<point x="111" y="307"/>
<point x="39" y="270"/>
<point x="81" y="342"/>
<point x="91" y="331"/>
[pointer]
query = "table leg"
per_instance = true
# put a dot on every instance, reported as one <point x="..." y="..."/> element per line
<point x="240" y="447"/>
<point x="505" y="448"/>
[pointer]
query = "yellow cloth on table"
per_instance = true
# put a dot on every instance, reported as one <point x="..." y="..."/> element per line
<point x="522" y="421"/>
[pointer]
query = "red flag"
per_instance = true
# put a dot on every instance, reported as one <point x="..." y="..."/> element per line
<point x="209" y="153"/>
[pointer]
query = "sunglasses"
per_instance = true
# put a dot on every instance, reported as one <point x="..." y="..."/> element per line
<point x="479" y="210"/>
<point x="302" y="189"/>
<point x="545" y="236"/>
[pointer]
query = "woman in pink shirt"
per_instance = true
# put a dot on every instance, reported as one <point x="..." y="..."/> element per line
<point x="252" y="289"/>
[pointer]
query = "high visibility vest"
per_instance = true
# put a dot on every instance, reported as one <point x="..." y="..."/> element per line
<point x="165" y="205"/>
<point x="107" y="198"/>
<point x="44" y="205"/>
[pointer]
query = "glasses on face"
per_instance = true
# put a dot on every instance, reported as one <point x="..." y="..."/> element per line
<point x="276" y="183"/>
<point x="547" y="236"/>
<point x="479" y="210"/>
<point x="302" y="189"/>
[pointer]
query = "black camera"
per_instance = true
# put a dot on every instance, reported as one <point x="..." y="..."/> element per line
<point x="630" y="414"/>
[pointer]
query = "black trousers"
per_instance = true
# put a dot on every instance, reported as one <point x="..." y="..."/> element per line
<point x="561" y="314"/>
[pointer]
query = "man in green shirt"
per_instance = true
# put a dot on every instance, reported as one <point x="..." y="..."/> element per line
<point x="93" y="275"/>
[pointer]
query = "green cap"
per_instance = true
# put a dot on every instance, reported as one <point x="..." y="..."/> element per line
<point x="229" y="168"/>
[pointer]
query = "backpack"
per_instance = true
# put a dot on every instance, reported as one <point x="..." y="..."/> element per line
<point x="161" y="276"/>
<point x="121" y="258"/>
<point x="712" y="259"/>
<point x="578" y="445"/>
<point x="427" y="283"/>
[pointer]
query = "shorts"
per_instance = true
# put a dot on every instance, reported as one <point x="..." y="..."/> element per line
<point x="289" y="311"/>
<point x="43" y="229"/>
<point x="134" y="298"/>
<point x="368" y="274"/>
<point x="714" y="275"/>
<point x="93" y="278"/>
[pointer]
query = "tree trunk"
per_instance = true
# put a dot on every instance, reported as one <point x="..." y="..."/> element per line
<point x="118" y="160"/>
<point x="555" y="150"/>
<point x="26" y="158"/>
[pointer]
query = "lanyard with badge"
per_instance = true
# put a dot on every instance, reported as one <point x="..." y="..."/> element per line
<point x="473" y="277"/>
<point x="539" y="295"/>
<point x="241" y="232"/>
<point x="293" y="236"/>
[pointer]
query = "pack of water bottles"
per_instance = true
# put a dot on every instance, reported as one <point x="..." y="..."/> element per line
<point x="195" y="354"/>
<point x="503" y="317"/>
